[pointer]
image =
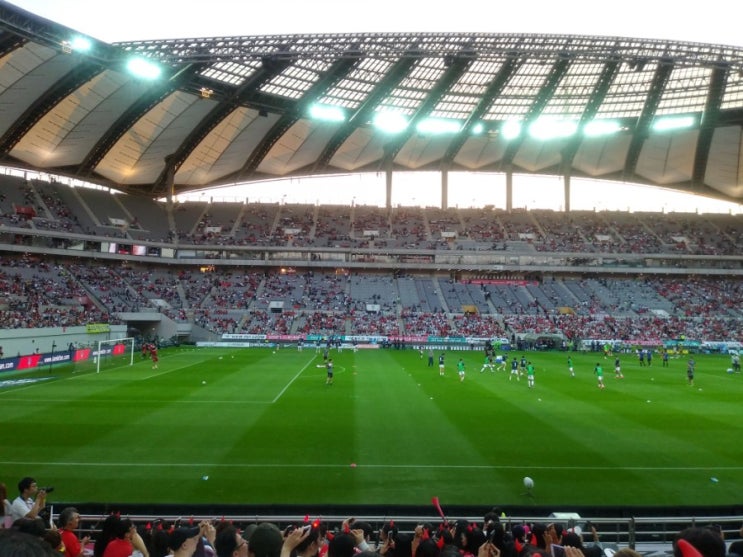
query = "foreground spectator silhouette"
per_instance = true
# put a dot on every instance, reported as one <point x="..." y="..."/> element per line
<point x="698" y="542"/>
<point x="265" y="541"/>
<point x="18" y="544"/>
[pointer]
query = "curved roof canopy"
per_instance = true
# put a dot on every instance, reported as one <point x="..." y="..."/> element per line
<point x="236" y="109"/>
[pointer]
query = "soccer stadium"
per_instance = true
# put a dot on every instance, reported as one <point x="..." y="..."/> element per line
<point x="174" y="357"/>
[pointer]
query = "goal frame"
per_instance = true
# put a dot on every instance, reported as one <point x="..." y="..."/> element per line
<point x="113" y="342"/>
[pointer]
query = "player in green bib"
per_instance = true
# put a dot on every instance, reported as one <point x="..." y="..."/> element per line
<point x="599" y="371"/>
<point x="530" y="374"/>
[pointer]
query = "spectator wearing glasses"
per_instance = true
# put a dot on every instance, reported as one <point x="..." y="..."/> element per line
<point x="229" y="543"/>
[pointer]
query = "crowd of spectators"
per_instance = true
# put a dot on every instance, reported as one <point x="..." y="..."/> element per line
<point x="27" y="531"/>
<point x="37" y="292"/>
<point x="256" y="224"/>
<point x="44" y="293"/>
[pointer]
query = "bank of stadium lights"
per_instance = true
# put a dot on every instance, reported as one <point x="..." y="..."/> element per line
<point x="390" y="122"/>
<point x="395" y="122"/>
<point x="598" y="128"/>
<point x="143" y="68"/>
<point x="510" y="129"/>
<point x="327" y="113"/>
<point x="674" y="123"/>
<point x="438" y="126"/>
<point x="77" y="44"/>
<point x="554" y="128"/>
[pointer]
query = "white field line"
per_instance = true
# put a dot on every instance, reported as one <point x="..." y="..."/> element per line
<point x="375" y="466"/>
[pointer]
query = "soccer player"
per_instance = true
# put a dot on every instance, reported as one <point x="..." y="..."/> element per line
<point x="488" y="363"/>
<point x="500" y="362"/>
<point x="460" y="369"/>
<point x="530" y="374"/>
<point x="570" y="366"/>
<point x="522" y="366"/>
<point x="618" y="368"/>
<point x="441" y="364"/>
<point x="515" y="370"/>
<point x="153" y="355"/>
<point x="329" y="368"/>
<point x="690" y="371"/>
<point x="599" y="372"/>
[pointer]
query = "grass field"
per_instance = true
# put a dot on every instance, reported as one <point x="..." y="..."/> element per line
<point x="265" y="429"/>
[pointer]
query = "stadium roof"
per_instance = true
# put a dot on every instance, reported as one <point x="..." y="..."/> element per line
<point x="227" y="110"/>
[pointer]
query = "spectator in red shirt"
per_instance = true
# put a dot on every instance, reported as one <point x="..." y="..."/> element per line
<point x="69" y="519"/>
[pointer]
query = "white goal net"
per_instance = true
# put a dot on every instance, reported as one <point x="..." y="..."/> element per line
<point x="114" y="353"/>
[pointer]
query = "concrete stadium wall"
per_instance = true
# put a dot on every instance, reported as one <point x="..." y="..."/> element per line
<point x="17" y="342"/>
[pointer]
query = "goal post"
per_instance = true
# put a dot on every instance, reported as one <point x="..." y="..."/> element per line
<point x="119" y="351"/>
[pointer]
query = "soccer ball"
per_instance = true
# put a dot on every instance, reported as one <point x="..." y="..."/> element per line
<point x="528" y="482"/>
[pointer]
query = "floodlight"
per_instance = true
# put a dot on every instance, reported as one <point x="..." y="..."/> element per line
<point x="478" y="128"/>
<point x="673" y="123"/>
<point x="438" y="126"/>
<point x="601" y="127"/>
<point x="81" y="44"/>
<point x="552" y="128"/>
<point x="143" y="68"/>
<point x="329" y="113"/>
<point x="511" y="129"/>
<point x="390" y="122"/>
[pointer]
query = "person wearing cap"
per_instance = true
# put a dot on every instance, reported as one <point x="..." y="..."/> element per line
<point x="184" y="541"/>
<point x="265" y="541"/>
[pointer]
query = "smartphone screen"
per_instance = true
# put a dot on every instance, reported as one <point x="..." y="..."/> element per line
<point x="557" y="550"/>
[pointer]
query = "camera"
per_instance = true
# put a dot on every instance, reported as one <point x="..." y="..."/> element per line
<point x="48" y="488"/>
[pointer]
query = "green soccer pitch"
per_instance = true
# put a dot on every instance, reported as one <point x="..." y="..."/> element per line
<point x="255" y="427"/>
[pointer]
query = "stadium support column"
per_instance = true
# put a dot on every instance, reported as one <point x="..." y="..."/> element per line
<point x="509" y="190"/>
<point x="566" y="192"/>
<point x="444" y="189"/>
<point x="170" y="190"/>
<point x="388" y="184"/>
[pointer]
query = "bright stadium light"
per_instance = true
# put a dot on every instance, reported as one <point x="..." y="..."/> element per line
<point x="673" y="123"/>
<point x="81" y="44"/>
<point x="478" y="128"/>
<point x="438" y="126"/>
<point x="552" y="128"/>
<point x="511" y="129"/>
<point x="329" y="113"/>
<point x="143" y="68"/>
<point x="390" y="122"/>
<point x="598" y="128"/>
